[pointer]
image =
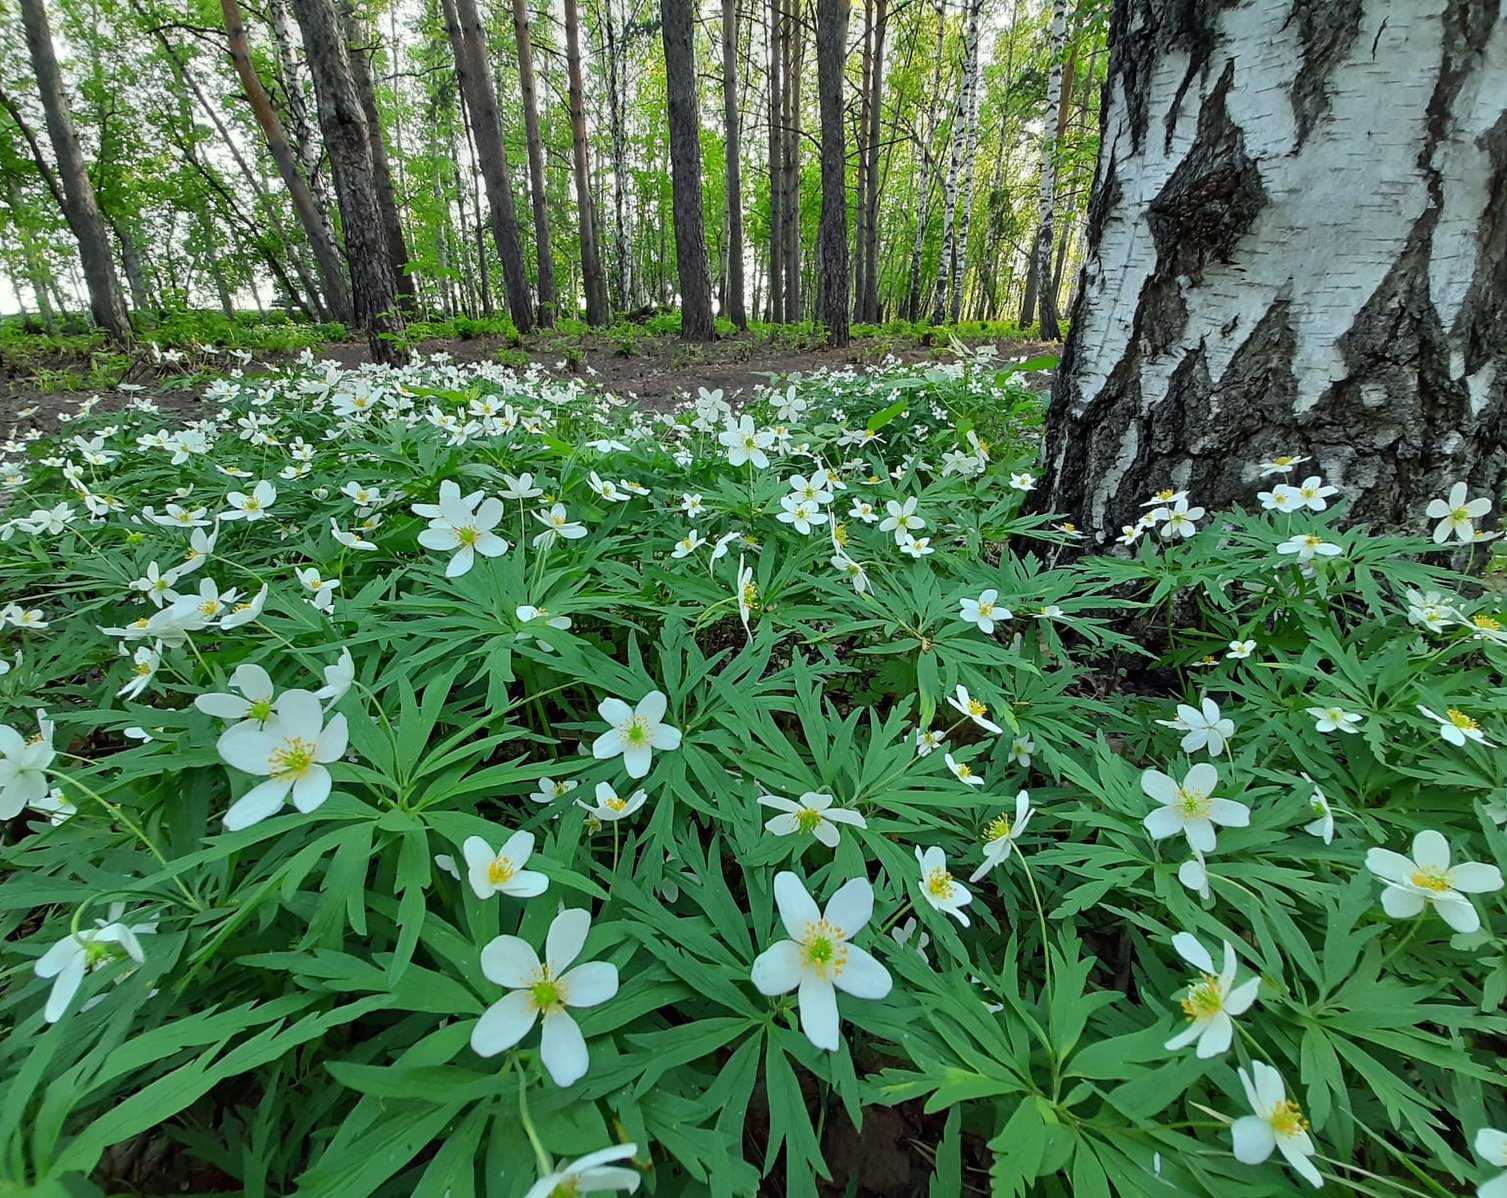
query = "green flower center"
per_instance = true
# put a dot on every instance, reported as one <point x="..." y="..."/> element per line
<point x="1287" y="1119"/>
<point x="1192" y="804"/>
<point x="292" y="758"/>
<point x="545" y="995"/>
<point x="807" y="820"/>
<point x="1204" y="999"/>
<point x="824" y="950"/>
<point x="998" y="829"/>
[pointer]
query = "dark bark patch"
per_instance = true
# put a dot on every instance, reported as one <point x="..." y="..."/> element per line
<point x="1141" y="32"/>
<point x="1325" y="34"/>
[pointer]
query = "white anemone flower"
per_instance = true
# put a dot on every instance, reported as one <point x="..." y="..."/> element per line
<point x="985" y="611"/>
<point x="1001" y="833"/>
<point x="811" y="815"/>
<point x="144" y="665"/>
<point x="1456" y="516"/>
<point x="1426" y="879"/>
<point x="502" y="872"/>
<point x="974" y="709"/>
<point x="463" y="526"/>
<point x="1212" y="1000"/>
<point x="1491" y="1147"/>
<point x="820" y="957"/>
<point x="902" y="519"/>
<point x="1277" y="1124"/>
<point x="745" y="444"/>
<point x="253" y="699"/>
<point x="544" y="990"/>
<point x="1456" y="727"/>
<point x="338" y="679"/>
<point x="938" y="887"/>
<point x="1315" y="492"/>
<point x="635" y="732"/>
<point x="550" y="790"/>
<point x="928" y="741"/>
<point x="1304" y="547"/>
<point x="291" y="751"/>
<point x="610" y="806"/>
<point x="1190" y="807"/>
<point x="1021" y="749"/>
<point x="1334" y="719"/>
<point x="593" y="1173"/>
<point x="23" y="767"/>
<point x="1322" y="824"/>
<point x="1203" y="727"/>
<point x="688" y="544"/>
<point x="85" y="951"/>
<point x="1240" y="650"/>
<point x="249" y="506"/>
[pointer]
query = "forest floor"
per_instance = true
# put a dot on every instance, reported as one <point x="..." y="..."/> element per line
<point x="655" y="370"/>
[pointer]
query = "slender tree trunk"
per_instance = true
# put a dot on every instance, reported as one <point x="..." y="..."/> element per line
<point x="1041" y="255"/>
<point x="868" y="302"/>
<point x="678" y="30"/>
<point x="928" y="169"/>
<point x="37" y="273"/>
<point x="307" y="147"/>
<point x="794" y="53"/>
<point x="543" y="252"/>
<point x="106" y="302"/>
<point x="373" y="283"/>
<point x="624" y="268"/>
<point x="337" y="296"/>
<point x="474" y="72"/>
<point x="776" y="167"/>
<point x="1323" y="275"/>
<point x="358" y="51"/>
<point x="963" y="137"/>
<point x="594" y="281"/>
<point x="861" y="178"/>
<point x="130" y="261"/>
<point x="832" y="239"/>
<point x="734" y="306"/>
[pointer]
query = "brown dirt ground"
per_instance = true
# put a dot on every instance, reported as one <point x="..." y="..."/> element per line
<point x="659" y="371"/>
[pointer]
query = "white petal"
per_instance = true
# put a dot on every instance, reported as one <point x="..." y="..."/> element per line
<point x="777" y="970"/>
<point x="562" y="1048"/>
<point x="590" y="984"/>
<point x="312" y="789"/>
<point x="567" y="936"/>
<point x="797" y="908"/>
<point x="257" y="804"/>
<point x="1194" y="953"/>
<point x="509" y="962"/>
<point x="851" y="907"/>
<point x="863" y="976"/>
<point x="503" y="1024"/>
<point x="64" y="987"/>
<point x="1254" y="1139"/>
<point x="1431" y="849"/>
<point x="818" y="1003"/>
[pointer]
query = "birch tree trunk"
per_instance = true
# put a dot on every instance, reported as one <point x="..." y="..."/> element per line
<point x="970" y="151"/>
<point x="106" y="301"/>
<point x="928" y="169"/>
<point x="776" y="171"/>
<point x="956" y="163"/>
<point x="867" y="302"/>
<point x="373" y="283"/>
<point x="1044" y="294"/>
<point x="832" y="235"/>
<point x="543" y="251"/>
<point x="473" y="71"/>
<point x="678" y="30"/>
<point x="626" y="275"/>
<point x="735" y="308"/>
<point x="1281" y="263"/>
<point x="595" y="283"/>
<point x="791" y="220"/>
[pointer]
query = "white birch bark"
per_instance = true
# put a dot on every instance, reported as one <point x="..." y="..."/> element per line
<point x="960" y="140"/>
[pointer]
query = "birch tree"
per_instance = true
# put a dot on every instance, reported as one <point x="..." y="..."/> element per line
<point x="963" y="138"/>
<point x="1045" y="294"/>
<point x="1298" y="247"/>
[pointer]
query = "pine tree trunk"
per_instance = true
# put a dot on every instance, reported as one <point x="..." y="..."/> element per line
<point x="473" y="70"/>
<point x="678" y="29"/>
<point x="1278" y="263"/>
<point x="1041" y="253"/>
<point x="832" y="237"/>
<point x="358" y="52"/>
<point x="776" y="169"/>
<point x="106" y="302"/>
<point x="373" y="283"/>
<point x="592" y="278"/>
<point x="543" y="251"/>
<point x="337" y="296"/>
<point x="736" y="312"/>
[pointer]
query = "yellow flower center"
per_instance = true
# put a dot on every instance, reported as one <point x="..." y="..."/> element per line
<point x="1287" y="1119"/>
<point x="210" y="607"/>
<point x="939" y="884"/>
<point x="1431" y="877"/>
<point x="615" y="804"/>
<point x="1462" y="721"/>
<point x="1191" y="804"/>
<point x="1165" y="496"/>
<point x="964" y="772"/>
<point x="840" y="535"/>
<point x="292" y="758"/>
<point x="637" y="731"/>
<point x="1486" y="623"/>
<point x="500" y="872"/>
<point x="998" y="829"/>
<point x="1204" y="999"/>
<point x="986" y="609"/>
<point x="252" y="505"/>
<point x="1460" y="516"/>
<point x="1312" y="542"/>
<point x="1282" y="461"/>
<point x="468" y="535"/>
<point x="260" y="710"/>
<point x="144" y="669"/>
<point x="824" y="950"/>
<point x="977" y="708"/>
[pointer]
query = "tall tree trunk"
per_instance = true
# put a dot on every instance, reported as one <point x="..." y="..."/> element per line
<point x="337" y="295"/>
<point x="473" y="70"/>
<point x="37" y="273"/>
<point x="1041" y="254"/>
<point x="957" y="164"/>
<point x="861" y="179"/>
<point x="868" y="301"/>
<point x="1310" y="272"/>
<point x="543" y="252"/>
<point x="928" y="168"/>
<point x="592" y="278"/>
<point x="624" y="270"/>
<point x="373" y="283"/>
<point x="776" y="166"/>
<point x="130" y="261"/>
<point x="832" y="238"/>
<point x="736" y="312"/>
<point x="306" y="145"/>
<point x="965" y="220"/>
<point x="106" y="302"/>
<point x="794" y="52"/>
<point x="678" y="29"/>
<point x="358" y="50"/>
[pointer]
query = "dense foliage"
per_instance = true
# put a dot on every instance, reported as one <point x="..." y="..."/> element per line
<point x="343" y="725"/>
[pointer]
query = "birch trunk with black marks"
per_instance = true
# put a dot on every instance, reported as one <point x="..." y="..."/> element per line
<point x="1045" y="297"/>
<point x="1297" y="245"/>
<point x="625" y="274"/>
<point x="473" y="71"/>
<point x="678" y="30"/>
<point x="948" y="266"/>
<point x="776" y="172"/>
<point x="735" y="310"/>
<point x="592" y="278"/>
<point x="341" y="119"/>
<point x="543" y="251"/>
<point x="832" y="231"/>
<point x="107" y="302"/>
<point x="791" y="95"/>
<point x="928" y="169"/>
<point x="867" y="300"/>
